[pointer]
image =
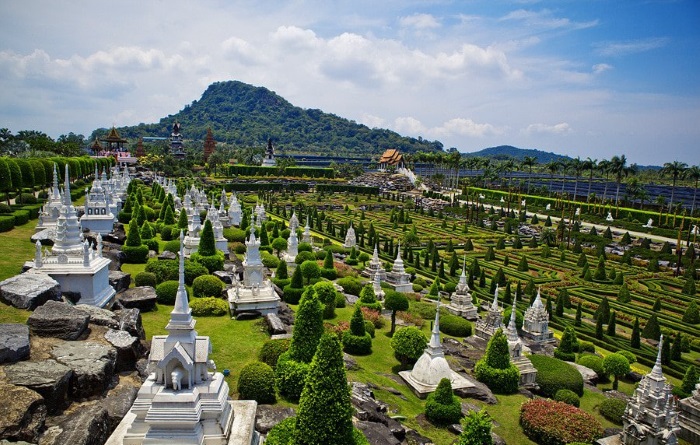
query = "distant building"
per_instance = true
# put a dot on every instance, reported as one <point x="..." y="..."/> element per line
<point x="140" y="152"/>
<point x="113" y="145"/>
<point x="209" y="145"/>
<point x="177" y="147"/>
<point x="113" y="141"/>
<point x="269" y="159"/>
<point x="391" y="158"/>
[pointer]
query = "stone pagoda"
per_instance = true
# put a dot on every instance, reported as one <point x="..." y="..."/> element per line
<point x="651" y="416"/>
<point x="223" y="214"/>
<point x="256" y="294"/>
<point x="486" y="327"/>
<point x="221" y="242"/>
<point x="80" y="270"/>
<point x="377" y="287"/>
<point x="177" y="148"/>
<point x="292" y="248"/>
<point x="350" y="239"/>
<point x="306" y="236"/>
<point x="209" y="145"/>
<point x="234" y="211"/>
<point x="269" y="159"/>
<point x="461" y="300"/>
<point x="98" y="215"/>
<point x="536" y="323"/>
<point x="293" y="222"/>
<point x="181" y="401"/>
<point x="260" y="214"/>
<point x="375" y="267"/>
<point x="194" y="229"/>
<point x="50" y="211"/>
<point x="528" y="373"/>
<point x="432" y="367"/>
<point x="689" y="417"/>
<point x="398" y="278"/>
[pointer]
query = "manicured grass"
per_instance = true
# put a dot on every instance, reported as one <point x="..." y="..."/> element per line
<point x="16" y="249"/>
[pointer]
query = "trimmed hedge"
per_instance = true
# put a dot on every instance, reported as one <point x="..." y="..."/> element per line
<point x="292" y="295"/>
<point x="595" y="363"/>
<point x="554" y="374"/>
<point x="207" y="286"/>
<point x="568" y="397"/>
<point x="21" y="217"/>
<point x="271" y="351"/>
<point x="135" y="254"/>
<point x="290" y="376"/>
<point x="442" y="407"/>
<point x="208" y="307"/>
<point x="256" y="382"/>
<point x="7" y="223"/>
<point x="166" y="292"/>
<point x="357" y="344"/>
<point x="455" y="326"/>
<point x="145" y="279"/>
<point x="613" y="409"/>
<point x="548" y="422"/>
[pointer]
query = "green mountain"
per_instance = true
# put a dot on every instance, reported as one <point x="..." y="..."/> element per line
<point x="510" y="152"/>
<point x="246" y="116"/>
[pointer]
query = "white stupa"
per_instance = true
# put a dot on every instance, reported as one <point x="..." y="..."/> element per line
<point x="432" y="367"/>
<point x="536" y="323"/>
<point x="98" y="217"/>
<point x="377" y="287"/>
<point x="50" y="211"/>
<point x="221" y="242"/>
<point x="487" y="326"/>
<point x="293" y="222"/>
<point x="181" y="402"/>
<point x="306" y="236"/>
<point x="461" y="300"/>
<point x="528" y="373"/>
<point x="234" y="210"/>
<point x="375" y="266"/>
<point x="350" y="240"/>
<point x="194" y="229"/>
<point x="292" y="248"/>
<point x="398" y="278"/>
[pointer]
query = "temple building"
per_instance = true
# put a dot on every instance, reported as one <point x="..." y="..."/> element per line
<point x="256" y="294"/>
<point x="181" y="401"/>
<point x="461" y="300"/>
<point x="398" y="278"/>
<point x="689" y="417"/>
<point x="113" y="141"/>
<point x="651" y="416"/>
<point x="140" y="152"/>
<point x="209" y="145"/>
<point x="528" y="373"/>
<point x="432" y="367"/>
<point x="98" y="215"/>
<point x="487" y="326"/>
<point x="375" y="267"/>
<point x="81" y="271"/>
<point x="177" y="146"/>
<point x="269" y="158"/>
<point x="50" y="211"/>
<point x="536" y="323"/>
<point x="391" y="159"/>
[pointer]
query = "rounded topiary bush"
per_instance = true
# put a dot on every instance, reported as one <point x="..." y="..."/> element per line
<point x="586" y="346"/>
<point x="166" y="292"/>
<point x="208" y="307"/>
<point x="628" y="355"/>
<point x="135" y="254"/>
<point x="549" y="422"/>
<point x="164" y="270"/>
<point x="455" y="326"/>
<point x="271" y="351"/>
<point x="595" y="363"/>
<point x="357" y="344"/>
<point x="290" y="376"/>
<point x="145" y="279"/>
<point x="340" y="301"/>
<point x="554" y="374"/>
<point x="442" y="407"/>
<point x="568" y="397"/>
<point x="613" y="409"/>
<point x="172" y="246"/>
<point x="282" y="433"/>
<point x="207" y="286"/>
<point x="292" y="295"/>
<point x="256" y="382"/>
<point x="211" y="263"/>
<point x="192" y="271"/>
<point x="495" y="369"/>
<point x="408" y="344"/>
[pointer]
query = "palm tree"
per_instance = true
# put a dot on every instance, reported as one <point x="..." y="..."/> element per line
<point x="552" y="167"/>
<point x="661" y="202"/>
<point x="604" y="169"/>
<point x="590" y="165"/>
<point x="693" y="173"/>
<point x="529" y="161"/>
<point x="454" y="160"/>
<point x="619" y="167"/>
<point x="576" y="166"/>
<point x="676" y="169"/>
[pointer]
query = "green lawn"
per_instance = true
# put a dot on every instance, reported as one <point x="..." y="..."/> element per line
<point x="16" y="249"/>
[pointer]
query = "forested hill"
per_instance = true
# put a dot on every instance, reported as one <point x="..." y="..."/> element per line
<point x="245" y="115"/>
<point x="508" y="151"/>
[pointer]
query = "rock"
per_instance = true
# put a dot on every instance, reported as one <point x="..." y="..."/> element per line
<point x="589" y="375"/>
<point x="285" y="313"/>
<point x="634" y="377"/>
<point x="130" y="321"/>
<point x="350" y="363"/>
<point x="23" y="413"/>
<point x="142" y="298"/>
<point x="142" y="367"/>
<point x="99" y="316"/>
<point x="47" y="377"/>
<point x="614" y="431"/>
<point x="413" y="438"/>
<point x="368" y="409"/>
<point x="498" y="440"/>
<point x="29" y="290"/>
<point x="118" y="400"/>
<point x="377" y="433"/>
<point x="351" y="299"/>
<point x="58" y="319"/>
<point x="87" y="424"/>
<point x="45" y="236"/>
<point x="128" y="349"/>
<point x="115" y="256"/>
<point x="268" y="416"/>
<point x="116" y="236"/>
<point x="14" y="342"/>
<point x="167" y="255"/>
<point x="92" y="365"/>
<point x="274" y="324"/>
<point x="479" y="391"/>
<point x="224" y="276"/>
<point x="119" y="280"/>
<point x="613" y="394"/>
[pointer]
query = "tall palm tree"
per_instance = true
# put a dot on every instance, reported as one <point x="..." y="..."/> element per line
<point x="576" y="166"/>
<point x="604" y="169"/>
<point x="454" y="159"/>
<point x="661" y="202"/>
<point x="693" y="173"/>
<point x="590" y="165"/>
<point x="529" y="161"/>
<point x="619" y="168"/>
<point x="552" y="167"/>
<point x="676" y="169"/>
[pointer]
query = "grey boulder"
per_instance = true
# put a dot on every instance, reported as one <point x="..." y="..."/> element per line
<point x="142" y="298"/>
<point x="48" y="377"/>
<point x="119" y="280"/>
<point x="130" y="321"/>
<point x="87" y="424"/>
<point x="29" y="290"/>
<point x="23" y="413"/>
<point x="14" y="342"/>
<point x="99" y="316"/>
<point x="128" y="349"/>
<point x="59" y="320"/>
<point x="92" y="364"/>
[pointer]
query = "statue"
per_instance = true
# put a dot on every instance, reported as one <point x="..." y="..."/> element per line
<point x="549" y="207"/>
<point x="649" y="224"/>
<point x="609" y="218"/>
<point x="578" y="211"/>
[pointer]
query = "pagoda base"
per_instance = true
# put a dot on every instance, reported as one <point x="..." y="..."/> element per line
<point x="422" y="390"/>
<point x="102" y="224"/>
<point x="468" y="312"/>
<point x="263" y="300"/>
<point x="689" y="419"/>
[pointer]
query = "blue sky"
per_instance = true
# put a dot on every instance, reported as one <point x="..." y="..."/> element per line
<point x="585" y="78"/>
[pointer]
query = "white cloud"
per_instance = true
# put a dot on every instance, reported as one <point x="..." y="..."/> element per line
<point x="556" y="129"/>
<point x="419" y="21"/>
<point x="372" y="121"/>
<point x="546" y="20"/>
<point x="601" y="68"/>
<point x="409" y="125"/>
<point x="623" y="48"/>
<point x="464" y="127"/>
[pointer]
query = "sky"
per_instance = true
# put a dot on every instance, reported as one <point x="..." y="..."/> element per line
<point x="592" y="78"/>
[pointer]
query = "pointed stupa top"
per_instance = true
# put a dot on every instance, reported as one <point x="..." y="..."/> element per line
<point x="657" y="370"/>
<point x="375" y="255"/>
<point x="307" y="223"/>
<point x="56" y="191"/>
<point x="537" y="304"/>
<point x="512" y="330"/>
<point x="463" y="277"/>
<point x="66" y="189"/>
<point x="435" y="335"/>
<point x="181" y="325"/>
<point x="494" y="305"/>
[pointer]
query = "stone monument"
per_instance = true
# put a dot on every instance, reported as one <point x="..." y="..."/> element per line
<point x="486" y="327"/>
<point x="689" y="417"/>
<point x="432" y="367"/>
<point x="234" y="211"/>
<point x="98" y="217"/>
<point x="292" y="247"/>
<point x="181" y="402"/>
<point x="377" y="287"/>
<point x="306" y="236"/>
<point x="536" y="323"/>
<point x="350" y="240"/>
<point x="49" y="211"/>
<point x="398" y="278"/>
<point x="461" y="300"/>
<point x="528" y="373"/>
<point x="374" y="266"/>
<point x="269" y="159"/>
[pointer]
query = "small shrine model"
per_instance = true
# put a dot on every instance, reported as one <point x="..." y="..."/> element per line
<point x="292" y="247"/>
<point x="261" y="215"/>
<point x="432" y="367"/>
<point x="80" y="270"/>
<point x="306" y="236"/>
<point x="269" y="159"/>
<point x="536" y="323"/>
<point x="398" y="278"/>
<point x="487" y="326"/>
<point x="350" y="240"/>
<point x="177" y="148"/>
<point x="220" y="240"/>
<point x="181" y="401"/>
<point x="375" y="267"/>
<point x="689" y="417"/>
<point x="234" y="211"/>
<point x="528" y="373"/>
<point x="377" y="287"/>
<point x="50" y="211"/>
<point x="461" y="300"/>
<point x="98" y="217"/>
<point x="256" y="294"/>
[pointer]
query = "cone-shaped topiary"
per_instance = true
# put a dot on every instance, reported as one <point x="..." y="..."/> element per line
<point x="495" y="368"/>
<point x="442" y="407"/>
<point x="567" y="346"/>
<point x="522" y="265"/>
<point x="133" y="238"/>
<point x="146" y="231"/>
<point x="357" y="340"/>
<point x="182" y="220"/>
<point x="635" y="337"/>
<point x="169" y="217"/>
<point x="308" y="327"/>
<point x="325" y="411"/>
<point x="692" y="314"/>
<point x="623" y="295"/>
<point x="281" y="271"/>
<point x="207" y="243"/>
<point x="652" y="330"/>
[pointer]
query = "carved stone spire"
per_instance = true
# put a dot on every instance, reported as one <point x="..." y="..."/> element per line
<point x="181" y="325"/>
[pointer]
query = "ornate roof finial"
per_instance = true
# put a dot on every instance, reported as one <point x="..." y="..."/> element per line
<point x="657" y="370"/>
<point x="435" y="335"/>
<point x="494" y="305"/>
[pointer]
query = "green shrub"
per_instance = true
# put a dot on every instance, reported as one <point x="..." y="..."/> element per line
<point x="370" y="328"/>
<point x="292" y="295"/>
<point x="495" y="368"/>
<point x="455" y="326"/>
<point x="568" y="397"/>
<point x="613" y="409"/>
<point x="271" y="351"/>
<point x="166" y="292"/>
<point x="350" y="285"/>
<point x="340" y="301"/>
<point x="408" y="344"/>
<point x="304" y="256"/>
<point x="586" y="346"/>
<point x="4" y="208"/>
<point x="208" y="307"/>
<point x="290" y="376"/>
<point x="145" y="279"/>
<point x="192" y="271"/>
<point x="7" y="223"/>
<point x="595" y="363"/>
<point x="135" y="254"/>
<point x="172" y="246"/>
<point x="211" y="263"/>
<point x="554" y="374"/>
<point x="21" y="217"/>
<point x="269" y="260"/>
<point x="207" y="286"/>
<point x="256" y="382"/>
<point x="628" y="355"/>
<point x="282" y="433"/>
<point x="442" y="407"/>
<point x="233" y="234"/>
<point x="357" y="344"/>
<point x="152" y="244"/>
<point x="548" y="422"/>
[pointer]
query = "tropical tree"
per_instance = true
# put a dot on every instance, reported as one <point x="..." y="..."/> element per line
<point x="676" y="169"/>
<point x="529" y="161"/>
<point x="604" y="169"/>
<point x="591" y="165"/>
<point x="552" y="167"/>
<point x="576" y="166"/>
<point x="693" y="173"/>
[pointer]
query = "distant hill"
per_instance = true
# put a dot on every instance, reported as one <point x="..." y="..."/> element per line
<point x="508" y="151"/>
<point x="246" y="115"/>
